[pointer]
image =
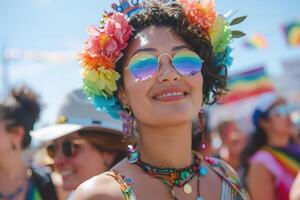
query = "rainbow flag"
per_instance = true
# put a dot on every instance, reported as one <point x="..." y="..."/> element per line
<point x="292" y="33"/>
<point x="247" y="84"/>
<point x="256" y="41"/>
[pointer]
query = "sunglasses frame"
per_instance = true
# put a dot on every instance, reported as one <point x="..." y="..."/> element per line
<point x="281" y="110"/>
<point x="158" y="66"/>
<point x="63" y="147"/>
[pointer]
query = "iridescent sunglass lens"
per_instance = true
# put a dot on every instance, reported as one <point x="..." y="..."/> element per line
<point x="143" y="66"/>
<point x="187" y="63"/>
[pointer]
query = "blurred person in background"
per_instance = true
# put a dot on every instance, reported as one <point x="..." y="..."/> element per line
<point x="233" y="143"/>
<point x="20" y="180"/>
<point x="83" y="143"/>
<point x="271" y="159"/>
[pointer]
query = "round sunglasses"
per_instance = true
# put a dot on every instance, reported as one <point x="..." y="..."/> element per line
<point x="144" y="66"/>
<point x="67" y="147"/>
<point x="282" y="110"/>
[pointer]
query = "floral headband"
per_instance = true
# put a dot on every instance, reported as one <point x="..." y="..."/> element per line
<point x="104" y="47"/>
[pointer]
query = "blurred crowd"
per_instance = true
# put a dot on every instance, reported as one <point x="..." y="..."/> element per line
<point x="84" y="142"/>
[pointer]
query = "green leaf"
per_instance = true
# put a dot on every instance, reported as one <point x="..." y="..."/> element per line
<point x="237" y="20"/>
<point x="237" y="34"/>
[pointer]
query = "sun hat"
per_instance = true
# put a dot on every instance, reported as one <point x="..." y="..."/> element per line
<point x="264" y="103"/>
<point x="77" y="114"/>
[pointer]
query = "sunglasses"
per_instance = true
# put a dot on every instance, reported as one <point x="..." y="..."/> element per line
<point x="282" y="110"/>
<point x="144" y="66"/>
<point x="68" y="148"/>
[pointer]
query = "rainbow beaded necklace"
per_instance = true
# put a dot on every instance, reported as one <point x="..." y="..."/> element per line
<point x="172" y="177"/>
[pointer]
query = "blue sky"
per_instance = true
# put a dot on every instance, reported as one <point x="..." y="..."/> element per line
<point x="55" y="25"/>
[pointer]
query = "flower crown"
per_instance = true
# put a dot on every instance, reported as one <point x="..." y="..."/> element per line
<point x="105" y="44"/>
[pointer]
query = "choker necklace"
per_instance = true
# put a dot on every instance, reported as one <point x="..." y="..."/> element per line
<point x="172" y="177"/>
<point x="13" y="195"/>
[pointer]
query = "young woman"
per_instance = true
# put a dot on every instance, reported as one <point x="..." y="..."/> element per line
<point x="233" y="143"/>
<point x="271" y="160"/>
<point x="84" y="143"/>
<point x="18" y="179"/>
<point x="168" y="67"/>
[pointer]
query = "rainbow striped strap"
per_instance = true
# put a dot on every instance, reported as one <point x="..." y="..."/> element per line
<point x="125" y="183"/>
<point x="290" y="164"/>
<point x="231" y="185"/>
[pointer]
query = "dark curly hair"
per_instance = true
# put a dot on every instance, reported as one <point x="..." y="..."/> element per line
<point x="172" y="15"/>
<point x="20" y="108"/>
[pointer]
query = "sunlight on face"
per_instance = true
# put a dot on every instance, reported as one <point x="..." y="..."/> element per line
<point x="148" y="98"/>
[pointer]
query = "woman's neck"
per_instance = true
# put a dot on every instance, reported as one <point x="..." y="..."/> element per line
<point x="12" y="168"/>
<point x="166" y="146"/>
<point x="278" y="140"/>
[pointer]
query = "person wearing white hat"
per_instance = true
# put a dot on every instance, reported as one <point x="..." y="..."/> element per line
<point x="83" y="143"/>
<point x="271" y="160"/>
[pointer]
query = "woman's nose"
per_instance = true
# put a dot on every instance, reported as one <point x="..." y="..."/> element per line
<point x="166" y="70"/>
<point x="59" y="159"/>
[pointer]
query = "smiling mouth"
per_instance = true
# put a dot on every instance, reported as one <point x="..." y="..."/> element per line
<point x="171" y="96"/>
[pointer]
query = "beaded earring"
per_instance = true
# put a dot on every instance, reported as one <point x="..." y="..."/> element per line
<point x="200" y="129"/>
<point x="128" y="123"/>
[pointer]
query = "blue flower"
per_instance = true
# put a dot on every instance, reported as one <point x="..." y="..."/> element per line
<point x="110" y="105"/>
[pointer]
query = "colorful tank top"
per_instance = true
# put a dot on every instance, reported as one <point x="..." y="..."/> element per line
<point x="33" y="193"/>
<point x="283" y="163"/>
<point x="230" y="190"/>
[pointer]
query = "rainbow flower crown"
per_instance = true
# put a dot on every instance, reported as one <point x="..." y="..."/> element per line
<point x="105" y="44"/>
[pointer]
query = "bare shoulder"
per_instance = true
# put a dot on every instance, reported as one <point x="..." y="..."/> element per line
<point x="257" y="168"/>
<point x="101" y="187"/>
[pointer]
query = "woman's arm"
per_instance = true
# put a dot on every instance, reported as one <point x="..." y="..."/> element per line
<point x="260" y="182"/>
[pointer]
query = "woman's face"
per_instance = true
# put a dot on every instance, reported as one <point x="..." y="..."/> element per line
<point x="279" y="120"/>
<point x="6" y="140"/>
<point x="84" y="162"/>
<point x="167" y="98"/>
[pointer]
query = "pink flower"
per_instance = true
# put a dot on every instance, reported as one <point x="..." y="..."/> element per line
<point x="101" y="43"/>
<point x="118" y="28"/>
<point x="111" y="39"/>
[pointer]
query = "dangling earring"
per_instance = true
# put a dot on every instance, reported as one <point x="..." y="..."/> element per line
<point x="128" y="123"/>
<point x="200" y="129"/>
<point x="128" y="134"/>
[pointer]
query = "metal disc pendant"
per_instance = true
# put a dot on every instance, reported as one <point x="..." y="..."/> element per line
<point x="187" y="188"/>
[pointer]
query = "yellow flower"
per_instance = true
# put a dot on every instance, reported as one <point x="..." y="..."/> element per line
<point x="100" y="82"/>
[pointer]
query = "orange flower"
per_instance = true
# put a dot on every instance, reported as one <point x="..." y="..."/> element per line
<point x="201" y="12"/>
<point x="87" y="61"/>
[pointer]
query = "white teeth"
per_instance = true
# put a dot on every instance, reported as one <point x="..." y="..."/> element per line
<point x="170" y="94"/>
<point x="66" y="172"/>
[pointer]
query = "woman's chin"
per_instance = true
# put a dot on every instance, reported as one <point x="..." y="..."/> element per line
<point x="172" y="117"/>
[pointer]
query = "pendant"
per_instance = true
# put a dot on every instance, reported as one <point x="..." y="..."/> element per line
<point x="187" y="188"/>
<point x="199" y="198"/>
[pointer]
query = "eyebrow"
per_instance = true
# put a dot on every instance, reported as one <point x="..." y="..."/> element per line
<point x="153" y="49"/>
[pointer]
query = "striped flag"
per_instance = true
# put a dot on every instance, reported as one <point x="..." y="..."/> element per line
<point x="247" y="84"/>
<point x="292" y="33"/>
<point x="256" y="41"/>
